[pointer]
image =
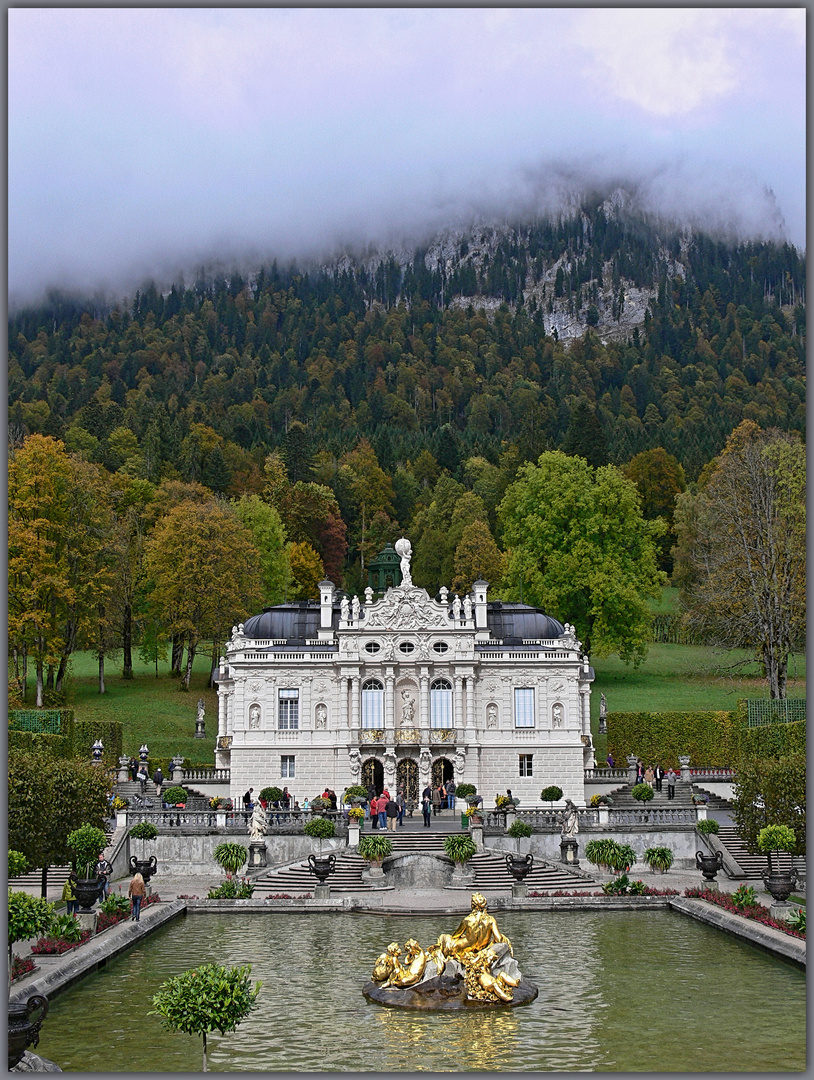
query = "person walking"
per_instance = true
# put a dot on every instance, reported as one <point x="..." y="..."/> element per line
<point x="401" y="802"/>
<point x="137" y="892"/>
<point x="374" y="812"/>
<point x="649" y="776"/>
<point x="639" y="772"/>
<point x="672" y="776"/>
<point x="103" y="872"/>
<point x="426" y="805"/>
<point x="384" y="799"/>
<point x="69" y="894"/>
<point x="451" y="793"/>
<point x="609" y="760"/>
<point x="437" y="799"/>
<point x="392" y="814"/>
<point x="158" y="780"/>
<point x="658" y="772"/>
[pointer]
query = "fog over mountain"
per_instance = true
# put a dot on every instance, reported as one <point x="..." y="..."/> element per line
<point x="144" y="143"/>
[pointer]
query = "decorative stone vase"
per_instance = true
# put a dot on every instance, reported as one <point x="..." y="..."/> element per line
<point x="145" y="867"/>
<point x="709" y="865"/>
<point x="322" y="866"/>
<point x="780" y="883"/>
<point x="519" y="866"/>
<point x="24" y="1022"/>
<point x="87" y="893"/>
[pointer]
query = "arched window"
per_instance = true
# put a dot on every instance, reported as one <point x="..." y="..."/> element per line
<point x="441" y="703"/>
<point x="372" y="704"/>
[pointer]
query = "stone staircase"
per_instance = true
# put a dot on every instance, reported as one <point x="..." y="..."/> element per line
<point x="491" y="873"/>
<point x="297" y="879"/>
<point x="57" y="876"/>
<point x="623" y="800"/>
<point x="753" y="865"/>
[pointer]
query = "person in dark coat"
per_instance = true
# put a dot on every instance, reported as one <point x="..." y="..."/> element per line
<point x="426" y="805"/>
<point x="392" y="813"/>
<point x="658" y="774"/>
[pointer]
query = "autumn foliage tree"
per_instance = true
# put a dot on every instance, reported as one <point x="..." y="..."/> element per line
<point x="203" y="572"/>
<point x="741" y="552"/>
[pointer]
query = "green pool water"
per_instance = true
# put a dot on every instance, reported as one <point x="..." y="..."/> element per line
<point x="619" y="992"/>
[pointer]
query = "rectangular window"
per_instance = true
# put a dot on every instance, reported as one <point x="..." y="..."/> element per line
<point x="287" y="766"/>
<point x="525" y="764"/>
<point x="524" y="707"/>
<point x="373" y="709"/>
<point x="288" y="710"/>
<point x="441" y="708"/>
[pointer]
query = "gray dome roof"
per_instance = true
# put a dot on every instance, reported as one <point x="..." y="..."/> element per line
<point x="294" y="621"/>
<point x="520" y="622"/>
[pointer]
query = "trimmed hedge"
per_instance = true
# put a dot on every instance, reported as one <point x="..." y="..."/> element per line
<point x="41" y="721"/>
<point x="710" y="738"/>
<point x="86" y="732"/>
<point x="55" y="746"/>
<point x="717" y="738"/>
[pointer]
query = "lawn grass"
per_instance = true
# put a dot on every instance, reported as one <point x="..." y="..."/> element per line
<point x="155" y="711"/>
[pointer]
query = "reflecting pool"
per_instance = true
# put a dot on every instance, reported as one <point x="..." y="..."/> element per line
<point x="619" y="992"/>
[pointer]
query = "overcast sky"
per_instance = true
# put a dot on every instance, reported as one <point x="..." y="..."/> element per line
<point x="143" y="141"/>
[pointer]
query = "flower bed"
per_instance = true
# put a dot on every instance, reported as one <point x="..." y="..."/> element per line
<point x="648" y="890"/>
<point x="755" y="912"/>
<point x="57" y="946"/>
<point x="104" y="920"/>
<point x="22" y="965"/>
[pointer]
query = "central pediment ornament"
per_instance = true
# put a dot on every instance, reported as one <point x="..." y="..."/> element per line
<point x="406" y="607"/>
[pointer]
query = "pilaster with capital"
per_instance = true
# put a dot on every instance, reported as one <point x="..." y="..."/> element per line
<point x="354" y="702"/>
<point x="470" y="702"/>
<point x="389" y="691"/>
<point x="424" y="696"/>
<point x="459" y="701"/>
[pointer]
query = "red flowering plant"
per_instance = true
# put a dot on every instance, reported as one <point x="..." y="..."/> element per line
<point x="57" y="946"/>
<point x="755" y="912"/>
<point x="22" y="965"/>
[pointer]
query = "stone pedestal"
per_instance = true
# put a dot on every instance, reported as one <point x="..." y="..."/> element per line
<point x="322" y="891"/>
<point x="701" y="811"/>
<point x="781" y="910"/>
<point x="519" y="890"/>
<point x="476" y="832"/>
<point x="684" y="766"/>
<point x="604" y="818"/>
<point x="200" y="728"/>
<point x="569" y="851"/>
<point x="123" y="774"/>
<point x="353" y="835"/>
<point x="220" y="819"/>
<point x="257" y="853"/>
<point x="87" y="920"/>
<point x="711" y="884"/>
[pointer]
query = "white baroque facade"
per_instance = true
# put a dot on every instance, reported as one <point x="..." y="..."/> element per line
<point x="403" y="690"/>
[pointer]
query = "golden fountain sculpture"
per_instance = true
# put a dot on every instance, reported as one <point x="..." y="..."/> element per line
<point x="473" y="966"/>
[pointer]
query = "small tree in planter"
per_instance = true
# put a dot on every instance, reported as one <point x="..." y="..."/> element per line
<point x="230" y="857"/>
<point x="28" y="917"/>
<point x="551" y="794"/>
<point x="320" y="828"/>
<point x="776" y="838"/>
<point x="374" y="848"/>
<point x="659" y="858"/>
<point x="519" y="830"/>
<point x="87" y="843"/>
<point x="270" y="795"/>
<point x="460" y="847"/>
<point x="642" y="792"/>
<point x="207" y="998"/>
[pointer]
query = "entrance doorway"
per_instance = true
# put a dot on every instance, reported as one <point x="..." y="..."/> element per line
<point x="407" y="778"/>
<point x="442" y="770"/>
<point x="373" y="775"/>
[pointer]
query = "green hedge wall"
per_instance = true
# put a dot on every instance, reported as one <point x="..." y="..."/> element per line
<point x="86" y="732"/>
<point x="55" y="746"/>
<point x="710" y="738"/>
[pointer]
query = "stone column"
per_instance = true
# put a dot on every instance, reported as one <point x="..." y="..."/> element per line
<point x="354" y="702"/>
<point x="221" y="714"/>
<point x="343" y="702"/>
<point x="470" y="702"/>
<point x="424" y="697"/>
<point x="684" y="765"/>
<point x="458" y="703"/>
<point x="389" y="690"/>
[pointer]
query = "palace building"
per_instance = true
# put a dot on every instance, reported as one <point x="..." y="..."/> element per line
<point x="402" y="689"/>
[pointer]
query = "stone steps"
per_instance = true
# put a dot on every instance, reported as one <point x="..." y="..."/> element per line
<point x="491" y="873"/>
<point x="347" y="877"/>
<point x="57" y="876"/>
<point x="753" y="864"/>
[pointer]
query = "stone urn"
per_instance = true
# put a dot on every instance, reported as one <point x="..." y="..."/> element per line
<point x="709" y="865"/>
<point x="87" y="893"/>
<point x="24" y="1021"/>
<point x="322" y="866"/>
<point x="780" y="883"/>
<point x="145" y="867"/>
<point x="519" y="866"/>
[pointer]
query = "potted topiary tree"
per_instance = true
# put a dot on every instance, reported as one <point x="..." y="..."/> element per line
<point x="773" y="838"/>
<point x="551" y="794"/>
<point x="319" y="829"/>
<point x="375" y="848"/>
<point x="642" y="793"/>
<point x="144" y="831"/>
<point x="269" y="796"/>
<point x="659" y="858"/>
<point x="207" y="998"/>
<point x="87" y="843"/>
<point x="460" y="847"/>
<point x="230" y="857"/>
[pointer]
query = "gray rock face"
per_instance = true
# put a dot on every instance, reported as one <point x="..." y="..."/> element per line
<point x="34" y="1063"/>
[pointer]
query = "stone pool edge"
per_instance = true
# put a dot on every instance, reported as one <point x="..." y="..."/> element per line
<point x="774" y="941"/>
<point x="57" y="973"/>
